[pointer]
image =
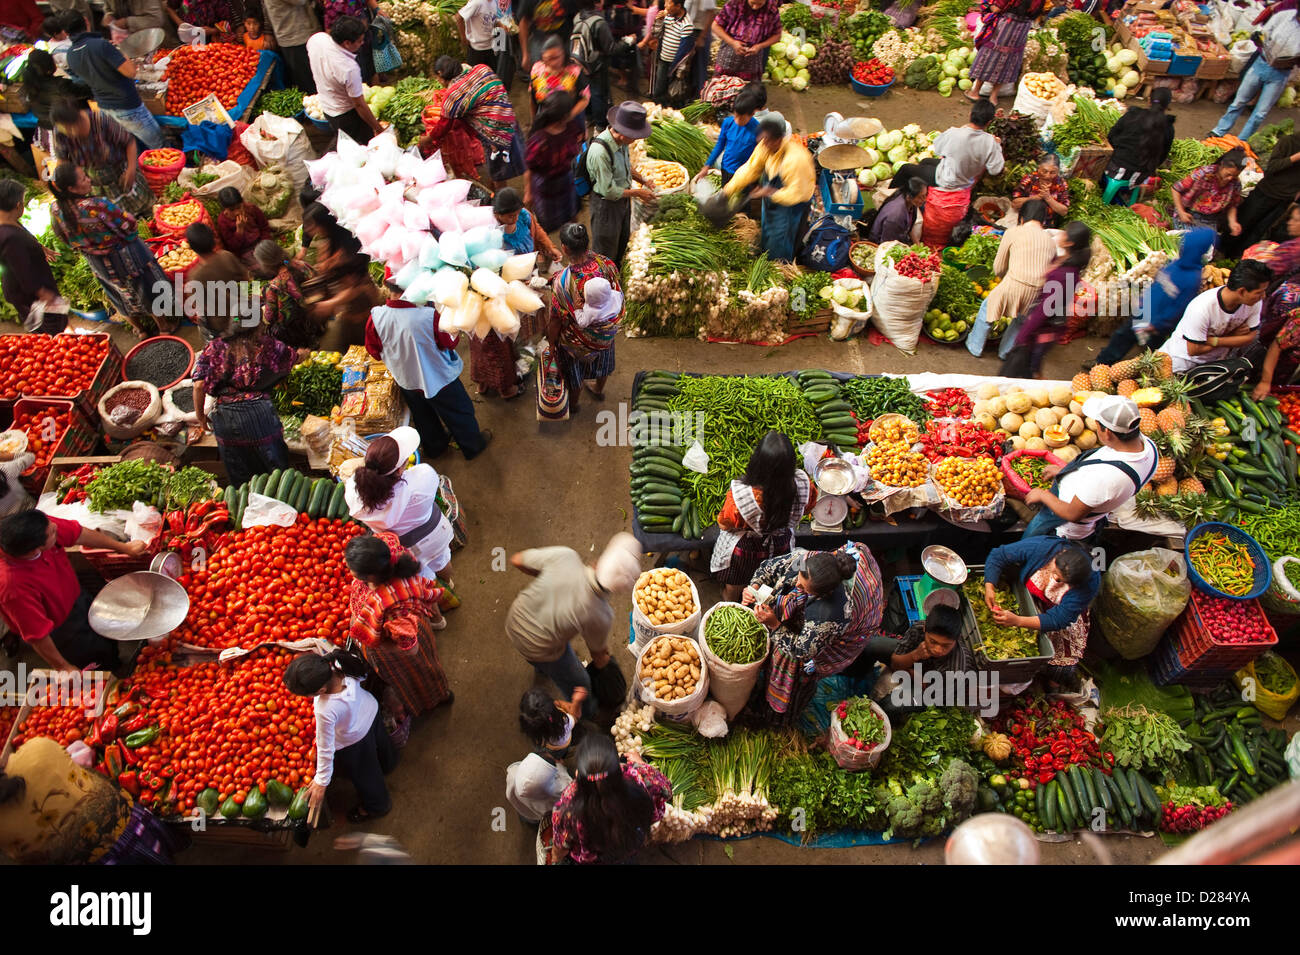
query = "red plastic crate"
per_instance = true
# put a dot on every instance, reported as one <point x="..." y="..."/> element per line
<point x="1199" y="650"/>
<point x="79" y="437"/>
<point x="108" y="374"/>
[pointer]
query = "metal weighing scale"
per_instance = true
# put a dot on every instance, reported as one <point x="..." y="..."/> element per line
<point x="834" y="478"/>
<point x="144" y="605"/>
<point x="945" y="571"/>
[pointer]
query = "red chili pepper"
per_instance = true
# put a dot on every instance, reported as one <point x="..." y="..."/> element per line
<point x="130" y="781"/>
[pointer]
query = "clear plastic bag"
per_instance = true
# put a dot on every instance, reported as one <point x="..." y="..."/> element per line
<point x="1141" y="595"/>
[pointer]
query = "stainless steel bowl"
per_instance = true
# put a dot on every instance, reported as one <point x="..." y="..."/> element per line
<point x="834" y="476"/>
<point x="141" y="606"/>
<point x="944" y="565"/>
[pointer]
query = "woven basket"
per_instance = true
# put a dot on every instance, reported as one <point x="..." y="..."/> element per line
<point x="159" y="176"/>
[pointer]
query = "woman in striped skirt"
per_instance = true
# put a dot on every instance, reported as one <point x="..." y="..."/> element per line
<point x="586" y="353"/>
<point x="1001" y="45"/>
<point x="394" y="615"/>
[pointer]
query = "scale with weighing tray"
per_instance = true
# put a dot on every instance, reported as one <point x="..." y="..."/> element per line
<point x="835" y="479"/>
<point x="945" y="571"/>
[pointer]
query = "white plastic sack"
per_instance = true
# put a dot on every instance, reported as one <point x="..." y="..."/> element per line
<point x="730" y="683"/>
<point x="279" y="139"/>
<point x="1027" y="104"/>
<point x="1239" y="55"/>
<point x="263" y="511"/>
<point x="228" y="173"/>
<point x="145" y="523"/>
<point x="898" y="303"/>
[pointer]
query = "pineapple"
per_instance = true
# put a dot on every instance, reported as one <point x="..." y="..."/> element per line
<point x="1100" y="378"/>
<point x="1149" y="424"/>
<point x="1127" y="387"/>
<point x="1164" y="471"/>
<point x="1167" y="487"/>
<point x="1166" y="365"/>
<point x="1147" y="397"/>
<point x="1172" y="418"/>
<point x="1149" y="368"/>
<point x="1191" y="485"/>
<point x="1081" y="382"/>
<point x="1130" y="368"/>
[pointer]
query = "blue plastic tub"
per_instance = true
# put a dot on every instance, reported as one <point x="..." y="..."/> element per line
<point x="864" y="89"/>
<point x="1263" y="568"/>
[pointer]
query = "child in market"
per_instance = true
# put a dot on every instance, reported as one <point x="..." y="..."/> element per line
<point x="535" y="783"/>
<point x="255" y="35"/>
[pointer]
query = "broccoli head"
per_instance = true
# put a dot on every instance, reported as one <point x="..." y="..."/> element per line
<point x="958" y="785"/>
<point x="925" y="795"/>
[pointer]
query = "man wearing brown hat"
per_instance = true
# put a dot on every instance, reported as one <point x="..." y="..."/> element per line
<point x="611" y="172"/>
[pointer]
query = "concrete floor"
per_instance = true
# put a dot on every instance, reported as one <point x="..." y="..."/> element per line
<point x="553" y="484"/>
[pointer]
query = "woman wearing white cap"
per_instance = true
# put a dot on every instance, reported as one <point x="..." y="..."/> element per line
<point x="386" y="495"/>
<point x="1080" y="500"/>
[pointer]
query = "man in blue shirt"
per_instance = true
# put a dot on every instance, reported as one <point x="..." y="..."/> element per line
<point x="737" y="138"/>
<point x="111" y="77"/>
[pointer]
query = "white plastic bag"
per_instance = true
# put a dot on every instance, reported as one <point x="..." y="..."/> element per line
<point x="228" y="173"/>
<point x="279" y="139"/>
<point x="898" y="303"/>
<point x="1141" y="594"/>
<point x="696" y="458"/>
<point x="145" y="523"/>
<point x="263" y="511"/>
<point x="730" y="684"/>
<point x="1239" y="55"/>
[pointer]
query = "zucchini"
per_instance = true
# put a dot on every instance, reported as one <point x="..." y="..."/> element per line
<point x="237" y="518"/>
<point x="320" y="493"/>
<point x="1103" y="793"/>
<point x="1125" y="790"/>
<point x="1047" y="811"/>
<point x="1066" y="820"/>
<point x="659" y="487"/>
<point x="677" y="521"/>
<point x="257" y="483"/>
<point x="662" y="469"/>
<point x="281" y="492"/>
<point x="231" y="497"/>
<point x="1067" y="792"/>
<point x="338" y="502"/>
<point x="301" y="494"/>
<point x="1081" y="794"/>
<point x="1147" y="794"/>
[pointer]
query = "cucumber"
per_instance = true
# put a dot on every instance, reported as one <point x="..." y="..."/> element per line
<point x="1047" y="813"/>
<point x="338" y="507"/>
<point x="320" y="494"/>
<point x="231" y="497"/>
<point x="1148" y="795"/>
<point x="838" y="422"/>
<point x="1080" y="794"/>
<point x="661" y="510"/>
<point x="831" y="406"/>
<point x="1103" y="793"/>
<point x="677" y="521"/>
<point x="1125" y="790"/>
<point x="818" y="373"/>
<point x="1065" y="822"/>
<point x="301" y="490"/>
<point x="663" y="470"/>
<point x="238" y="517"/>
<point x="663" y="373"/>
<point x="660" y="455"/>
<point x="281" y="491"/>
<point x="1117" y="798"/>
<point x="1067" y="793"/>
<point x="820" y="395"/>
<point x="659" y="487"/>
<point x="1094" y="797"/>
<point x="668" y="500"/>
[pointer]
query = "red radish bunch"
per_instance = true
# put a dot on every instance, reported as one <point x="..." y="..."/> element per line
<point x="921" y="268"/>
<point x="873" y="73"/>
<point x="1234" y="621"/>
<point x="1191" y="818"/>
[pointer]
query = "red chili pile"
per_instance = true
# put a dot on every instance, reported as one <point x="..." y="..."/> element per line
<point x="873" y="73"/>
<point x="43" y="366"/>
<point x="921" y="268"/>
<point x="949" y="403"/>
<point x="960" y="439"/>
<point x="272" y="583"/>
<point x="229" y="726"/>
<point x="1233" y="621"/>
<point x="45" y="429"/>
<point x="1048" y="736"/>
<point x="194" y="72"/>
<point x="199" y="526"/>
<point x="1191" y="818"/>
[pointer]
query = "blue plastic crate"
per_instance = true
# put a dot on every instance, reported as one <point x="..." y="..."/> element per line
<point x="1182" y="65"/>
<point x="907" y="588"/>
<point x="1165" y="669"/>
<point x="832" y="207"/>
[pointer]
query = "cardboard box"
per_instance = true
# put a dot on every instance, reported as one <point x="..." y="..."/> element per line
<point x="1145" y="64"/>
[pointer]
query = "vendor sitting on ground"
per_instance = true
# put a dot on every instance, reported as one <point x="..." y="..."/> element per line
<point x="40" y="596"/>
<point x="1060" y="578"/>
<point x="897" y="217"/>
<point x="934" y="642"/>
<point x="808" y="610"/>
<point x="241" y="224"/>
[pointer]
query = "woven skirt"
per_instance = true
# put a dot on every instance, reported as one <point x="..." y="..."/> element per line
<point x="1001" y="60"/>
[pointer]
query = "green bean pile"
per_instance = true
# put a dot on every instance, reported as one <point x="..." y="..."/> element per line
<point x="871" y="397"/>
<point x="734" y="635"/>
<point x="736" y="413"/>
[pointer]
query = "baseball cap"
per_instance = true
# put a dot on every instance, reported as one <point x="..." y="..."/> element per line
<point x="1114" y="412"/>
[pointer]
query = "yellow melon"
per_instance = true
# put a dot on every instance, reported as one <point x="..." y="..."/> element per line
<point x="1056" y="436"/>
<point x="987" y="390"/>
<point x="1067" y="453"/>
<point x="1017" y="443"/>
<point x="1040" y="398"/>
<point x="997" y="406"/>
<point x="1011" y="421"/>
<point x="1086" y="441"/>
<point x="1073" y="424"/>
<point x="1060" y="394"/>
<point x="1019" y="402"/>
<point x="978" y="408"/>
<point x="1046" y="417"/>
<point x="1076" y="407"/>
<point x="1035" y="444"/>
<point x="986" y="421"/>
<point x="1029" y="430"/>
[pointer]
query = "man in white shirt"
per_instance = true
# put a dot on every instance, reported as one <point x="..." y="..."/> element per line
<point x="967" y="153"/>
<point x="1220" y="322"/>
<point x="334" y="67"/>
<point x="475" y="22"/>
<point x="1095" y="484"/>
